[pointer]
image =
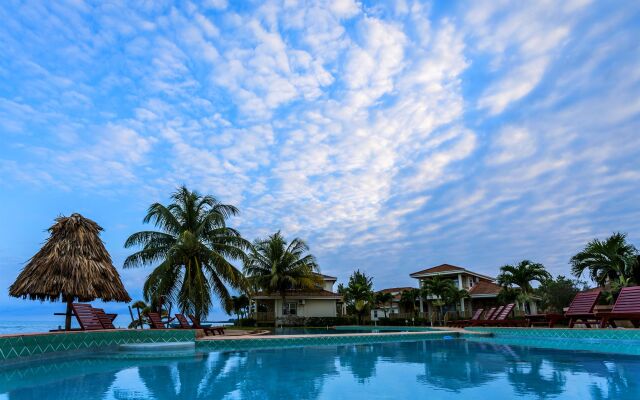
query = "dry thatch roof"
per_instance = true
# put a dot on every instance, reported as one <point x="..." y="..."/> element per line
<point x="72" y="264"/>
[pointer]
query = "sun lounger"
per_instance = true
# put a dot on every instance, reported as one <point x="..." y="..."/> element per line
<point x="155" y="321"/>
<point x="106" y="320"/>
<point x="491" y="315"/>
<point x="581" y="309"/>
<point x="86" y="317"/>
<point x="501" y="318"/>
<point x="213" y="329"/>
<point x="182" y="320"/>
<point x="476" y="316"/>
<point x="627" y="307"/>
<point x="548" y="319"/>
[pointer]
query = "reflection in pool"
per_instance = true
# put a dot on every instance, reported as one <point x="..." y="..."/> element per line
<point x="422" y="369"/>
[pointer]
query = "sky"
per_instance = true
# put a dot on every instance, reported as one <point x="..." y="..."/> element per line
<point x="391" y="136"/>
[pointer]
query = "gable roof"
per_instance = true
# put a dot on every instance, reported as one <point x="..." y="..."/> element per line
<point x="326" y="277"/>
<point x="445" y="269"/>
<point x="394" y="289"/>
<point x="484" y="289"/>
<point x="300" y="294"/>
<point x="439" y="268"/>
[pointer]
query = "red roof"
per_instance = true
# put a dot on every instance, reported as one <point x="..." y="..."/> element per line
<point x="299" y="293"/>
<point x="485" y="288"/>
<point x="439" y="268"/>
<point x="394" y="289"/>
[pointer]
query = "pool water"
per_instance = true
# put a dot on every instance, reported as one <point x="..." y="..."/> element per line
<point x="433" y="369"/>
<point x="330" y="331"/>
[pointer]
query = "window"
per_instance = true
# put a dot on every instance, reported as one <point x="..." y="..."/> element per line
<point x="290" y="309"/>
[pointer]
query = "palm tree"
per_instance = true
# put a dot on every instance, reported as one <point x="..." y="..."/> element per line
<point x="276" y="266"/>
<point x="384" y="298"/>
<point x="440" y="289"/>
<point x="191" y="251"/>
<point x="358" y="294"/>
<point x="408" y="299"/>
<point x="139" y="305"/>
<point x="522" y="274"/>
<point x="238" y="305"/>
<point x="612" y="261"/>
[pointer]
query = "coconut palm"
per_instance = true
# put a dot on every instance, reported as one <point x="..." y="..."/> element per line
<point x="522" y="274"/>
<point x="612" y="260"/>
<point x="440" y="289"/>
<point x="142" y="309"/>
<point x="358" y="294"/>
<point x="191" y="252"/>
<point x="238" y="305"/>
<point x="73" y="265"/>
<point x="276" y="266"/>
<point x="384" y="298"/>
<point x="408" y="299"/>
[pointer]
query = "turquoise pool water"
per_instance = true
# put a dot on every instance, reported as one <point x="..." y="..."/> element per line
<point x="429" y="369"/>
<point x="332" y="331"/>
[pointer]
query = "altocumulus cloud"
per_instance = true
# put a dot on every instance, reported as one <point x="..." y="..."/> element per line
<point x="390" y="135"/>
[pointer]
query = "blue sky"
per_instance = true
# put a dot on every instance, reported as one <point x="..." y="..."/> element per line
<point x="392" y="136"/>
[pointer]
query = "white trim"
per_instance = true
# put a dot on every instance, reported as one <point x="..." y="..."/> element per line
<point x="418" y="275"/>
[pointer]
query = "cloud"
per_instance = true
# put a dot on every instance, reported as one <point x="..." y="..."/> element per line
<point x="400" y="134"/>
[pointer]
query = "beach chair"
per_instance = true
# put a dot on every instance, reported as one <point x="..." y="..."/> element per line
<point x="491" y="314"/>
<point x="500" y="319"/>
<point x="106" y="320"/>
<point x="182" y="320"/>
<point x="581" y="309"/>
<point x="627" y="308"/>
<point x="155" y="321"/>
<point x="462" y="323"/>
<point x="86" y="317"/>
<point x="213" y="329"/>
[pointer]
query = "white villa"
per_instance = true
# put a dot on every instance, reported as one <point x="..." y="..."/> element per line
<point x="320" y="302"/>
<point x="483" y="290"/>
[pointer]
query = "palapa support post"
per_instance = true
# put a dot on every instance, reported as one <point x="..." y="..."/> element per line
<point x="67" y="318"/>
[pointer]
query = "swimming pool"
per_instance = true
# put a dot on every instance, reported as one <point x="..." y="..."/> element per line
<point x="436" y="369"/>
<point x="343" y="330"/>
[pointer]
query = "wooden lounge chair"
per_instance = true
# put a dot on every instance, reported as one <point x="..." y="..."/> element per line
<point x="501" y="318"/>
<point x="465" y="322"/>
<point x="155" y="321"/>
<point x="491" y="315"/>
<point x="213" y="329"/>
<point x="182" y="320"/>
<point x="548" y="319"/>
<point x="86" y="317"/>
<point x="106" y="320"/>
<point x="581" y="309"/>
<point x="627" y="307"/>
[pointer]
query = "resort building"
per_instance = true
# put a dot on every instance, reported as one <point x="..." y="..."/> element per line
<point x="483" y="290"/>
<point x="319" y="302"/>
<point x="393" y="308"/>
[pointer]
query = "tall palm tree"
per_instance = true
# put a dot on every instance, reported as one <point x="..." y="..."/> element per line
<point x="384" y="298"/>
<point x="612" y="260"/>
<point x="408" y="299"/>
<point x="522" y="274"/>
<point x="238" y="306"/>
<point x="190" y="251"/>
<point x="358" y="294"/>
<point x="276" y="266"/>
<point x="440" y="289"/>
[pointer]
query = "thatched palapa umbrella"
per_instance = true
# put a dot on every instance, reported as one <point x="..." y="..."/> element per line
<point x="73" y="265"/>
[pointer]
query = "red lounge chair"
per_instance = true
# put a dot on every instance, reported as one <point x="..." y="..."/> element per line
<point x="106" y="320"/>
<point x="501" y="318"/>
<point x="86" y="317"/>
<point x="155" y="321"/>
<point x="491" y="315"/>
<point x="476" y="316"/>
<point x="627" y="307"/>
<point x="207" y="330"/>
<point x="182" y="320"/>
<point x="549" y="319"/>
<point x="581" y="308"/>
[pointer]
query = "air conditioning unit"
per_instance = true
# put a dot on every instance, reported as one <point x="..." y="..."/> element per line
<point x="301" y="302"/>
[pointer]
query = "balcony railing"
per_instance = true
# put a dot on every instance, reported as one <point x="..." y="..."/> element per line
<point x="264" y="316"/>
